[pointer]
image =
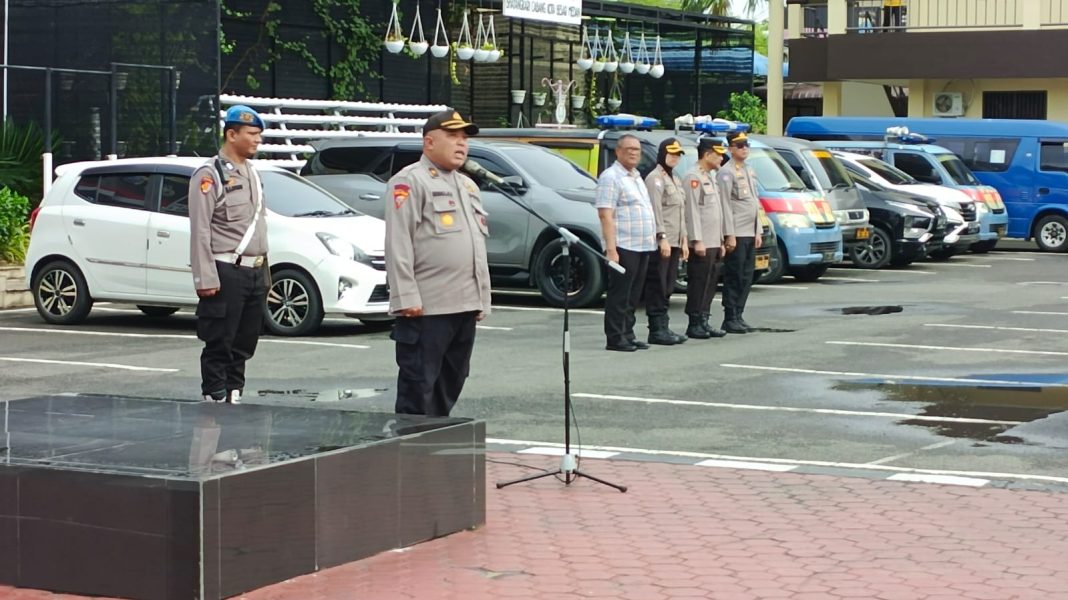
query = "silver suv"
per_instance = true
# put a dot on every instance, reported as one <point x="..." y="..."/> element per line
<point x="521" y="248"/>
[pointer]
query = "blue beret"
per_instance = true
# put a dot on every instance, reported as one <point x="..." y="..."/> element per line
<point x="243" y="115"/>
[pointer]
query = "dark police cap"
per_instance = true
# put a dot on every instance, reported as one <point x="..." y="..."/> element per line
<point x="738" y="139"/>
<point x="449" y="120"/>
<point x="709" y="143"/>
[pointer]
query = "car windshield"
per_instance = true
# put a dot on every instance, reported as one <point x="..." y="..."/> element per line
<point x="549" y="168"/>
<point x="892" y="174"/>
<point x="830" y="173"/>
<point x="772" y="172"/>
<point x="957" y="170"/>
<point x="293" y="196"/>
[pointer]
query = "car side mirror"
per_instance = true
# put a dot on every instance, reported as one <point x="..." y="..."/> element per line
<point x="515" y="183"/>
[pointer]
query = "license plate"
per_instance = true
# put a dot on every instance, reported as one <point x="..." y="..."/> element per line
<point x="862" y="234"/>
<point x="762" y="262"/>
<point x="828" y="257"/>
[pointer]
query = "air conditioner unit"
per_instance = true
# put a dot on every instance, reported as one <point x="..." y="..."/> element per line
<point x="948" y="104"/>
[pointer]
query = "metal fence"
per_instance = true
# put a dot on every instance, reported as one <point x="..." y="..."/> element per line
<point x="875" y="15"/>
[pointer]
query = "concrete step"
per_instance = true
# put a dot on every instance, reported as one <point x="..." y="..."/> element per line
<point x="21" y="299"/>
<point x="13" y="292"/>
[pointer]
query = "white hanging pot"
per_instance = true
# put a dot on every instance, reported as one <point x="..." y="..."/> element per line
<point x="626" y="67"/>
<point x="642" y="59"/>
<point x="440" y="49"/>
<point x="464" y="49"/>
<point x="394" y="41"/>
<point x="578" y="101"/>
<point x="614" y="103"/>
<point x="626" y="56"/>
<point x="519" y="96"/>
<point x="656" y="71"/>
<point x="538" y="98"/>
<point x="584" y="63"/>
<point x="418" y="48"/>
<point x="417" y="43"/>
<point x="611" y="66"/>
<point x="481" y="55"/>
<point x="598" y="66"/>
<point x="465" y="53"/>
<point x="394" y="46"/>
<point x="641" y="68"/>
<point x="494" y="55"/>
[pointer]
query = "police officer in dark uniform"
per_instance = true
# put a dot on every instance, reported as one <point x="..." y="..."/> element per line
<point x="228" y="256"/>
<point x="437" y="268"/>
<point x="738" y="187"/>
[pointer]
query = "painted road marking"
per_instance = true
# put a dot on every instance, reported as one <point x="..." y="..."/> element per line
<point x="492" y="328"/>
<point x="172" y="336"/>
<point x="1039" y="312"/>
<point x="790" y="461"/>
<point x="87" y="364"/>
<point x="891" y="378"/>
<point x="908" y="454"/>
<point x="943" y="479"/>
<point x="581" y="311"/>
<point x="948" y="348"/>
<point x="960" y="264"/>
<point x="779" y="286"/>
<point x="988" y="257"/>
<point x="824" y="411"/>
<point x="996" y="328"/>
<point x="581" y="451"/>
<point x="741" y="464"/>
<point x="857" y="279"/>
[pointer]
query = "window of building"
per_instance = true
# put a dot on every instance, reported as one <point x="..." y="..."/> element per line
<point x="1014" y="105"/>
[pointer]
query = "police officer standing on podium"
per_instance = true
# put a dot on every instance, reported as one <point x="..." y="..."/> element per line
<point x="436" y="267"/>
<point x="738" y="187"/>
<point x="228" y="256"/>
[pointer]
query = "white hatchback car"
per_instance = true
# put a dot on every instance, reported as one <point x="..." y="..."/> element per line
<point x="118" y="231"/>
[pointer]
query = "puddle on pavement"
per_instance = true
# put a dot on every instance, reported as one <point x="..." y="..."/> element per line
<point x="333" y="395"/>
<point x="1022" y="404"/>
<point x="871" y="310"/>
<point x="772" y="330"/>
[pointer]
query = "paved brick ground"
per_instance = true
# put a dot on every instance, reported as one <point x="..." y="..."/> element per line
<point x="696" y="532"/>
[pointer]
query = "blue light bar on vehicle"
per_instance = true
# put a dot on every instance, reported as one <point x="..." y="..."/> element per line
<point x="721" y="126"/>
<point x="625" y="120"/>
<point x="902" y="135"/>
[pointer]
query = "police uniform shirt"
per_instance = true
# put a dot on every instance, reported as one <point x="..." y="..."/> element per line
<point x="218" y="225"/>
<point x="436" y="242"/>
<point x="737" y="186"/>
<point x="668" y="198"/>
<point x="708" y="217"/>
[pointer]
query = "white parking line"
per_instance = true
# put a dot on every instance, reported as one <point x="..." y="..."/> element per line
<point x="779" y="286"/>
<point x="1041" y="283"/>
<point x="1039" y="312"/>
<point x="948" y="348"/>
<point x="996" y="328"/>
<point x="857" y="279"/>
<point x="491" y="328"/>
<point x="17" y="310"/>
<point x="582" y="451"/>
<point x="172" y="336"/>
<point x="989" y="257"/>
<point x="891" y="377"/>
<point x="795" y="409"/>
<point x="907" y="272"/>
<point x="908" y="454"/>
<point x="960" y="264"/>
<point x="86" y="364"/>
<point x="741" y="464"/>
<point x="581" y="311"/>
<point x="943" y="479"/>
<point x="790" y="461"/>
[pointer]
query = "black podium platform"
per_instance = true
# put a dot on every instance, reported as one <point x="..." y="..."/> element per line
<point x="157" y="499"/>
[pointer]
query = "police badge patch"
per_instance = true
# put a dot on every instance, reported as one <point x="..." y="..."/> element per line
<point x="205" y="184"/>
<point x="401" y="192"/>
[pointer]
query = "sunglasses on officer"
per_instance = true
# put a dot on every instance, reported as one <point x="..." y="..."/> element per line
<point x="740" y="144"/>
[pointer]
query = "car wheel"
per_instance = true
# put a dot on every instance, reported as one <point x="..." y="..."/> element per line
<point x="809" y="273"/>
<point x="1051" y="233"/>
<point x="983" y="247"/>
<point x="587" y="277"/>
<point x="60" y="294"/>
<point x="292" y="306"/>
<point x="681" y="278"/>
<point x="776" y="266"/>
<point x="873" y="254"/>
<point x="157" y="311"/>
<point x="942" y="253"/>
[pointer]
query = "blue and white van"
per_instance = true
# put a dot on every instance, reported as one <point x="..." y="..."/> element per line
<point x="1026" y="161"/>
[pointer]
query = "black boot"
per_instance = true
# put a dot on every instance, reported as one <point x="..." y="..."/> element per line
<point x="678" y="337"/>
<point x="731" y="323"/>
<point x="712" y="331"/>
<point x="659" y="334"/>
<point x="749" y="328"/>
<point x="696" y="330"/>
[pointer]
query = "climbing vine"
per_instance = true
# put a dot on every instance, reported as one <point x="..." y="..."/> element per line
<point x="343" y="26"/>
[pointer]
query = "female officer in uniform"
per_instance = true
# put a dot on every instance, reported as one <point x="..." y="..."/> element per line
<point x="668" y="198"/>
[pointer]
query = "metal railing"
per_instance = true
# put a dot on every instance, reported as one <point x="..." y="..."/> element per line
<point x="1054" y="13"/>
<point x="866" y="16"/>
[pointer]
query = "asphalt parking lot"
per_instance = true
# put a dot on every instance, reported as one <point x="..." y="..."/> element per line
<point x="966" y="380"/>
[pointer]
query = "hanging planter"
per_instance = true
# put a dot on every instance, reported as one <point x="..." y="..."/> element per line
<point x="482" y="45"/>
<point x="394" y="41"/>
<point x="464" y="50"/>
<point x="626" y="57"/>
<point x="657" y="70"/>
<point x="578" y="102"/>
<point x="641" y="64"/>
<point x="417" y="45"/>
<point x="491" y="37"/>
<point x="538" y="98"/>
<point x="441" y="39"/>
<point x="598" y="52"/>
<point x="611" y="62"/>
<point x="519" y="96"/>
<point x="585" y="59"/>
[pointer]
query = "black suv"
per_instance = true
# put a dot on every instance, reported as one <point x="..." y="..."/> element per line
<point x="521" y="248"/>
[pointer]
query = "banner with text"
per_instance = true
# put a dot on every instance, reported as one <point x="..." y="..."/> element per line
<point x="556" y="11"/>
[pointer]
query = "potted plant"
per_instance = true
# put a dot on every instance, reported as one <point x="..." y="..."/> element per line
<point x="394" y="41"/>
<point x="491" y="38"/>
<point x="585" y="59"/>
<point x="441" y="46"/>
<point x="577" y="101"/>
<point x="464" y="48"/>
<point x="611" y="62"/>
<point x="482" y="53"/>
<point x="598" y="64"/>
<point x="626" y="57"/>
<point x="641" y="64"/>
<point x="417" y="45"/>
<point x="538" y="98"/>
<point x="519" y="96"/>
<point x="656" y="71"/>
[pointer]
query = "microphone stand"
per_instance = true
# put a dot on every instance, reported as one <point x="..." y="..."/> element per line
<point x="568" y="462"/>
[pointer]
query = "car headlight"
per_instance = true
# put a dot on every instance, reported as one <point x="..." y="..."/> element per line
<point x="793" y="220"/>
<point x="916" y="226"/>
<point x="344" y="249"/>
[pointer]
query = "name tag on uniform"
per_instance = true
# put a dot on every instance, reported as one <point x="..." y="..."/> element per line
<point x="234" y="188"/>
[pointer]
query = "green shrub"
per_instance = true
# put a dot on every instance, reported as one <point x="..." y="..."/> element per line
<point x="747" y="108"/>
<point x="20" y="158"/>
<point x="14" y="226"/>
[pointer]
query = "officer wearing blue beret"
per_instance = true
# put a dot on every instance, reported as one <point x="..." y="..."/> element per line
<point x="228" y="256"/>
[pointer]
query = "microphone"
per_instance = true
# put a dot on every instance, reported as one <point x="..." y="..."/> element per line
<point x="473" y="168"/>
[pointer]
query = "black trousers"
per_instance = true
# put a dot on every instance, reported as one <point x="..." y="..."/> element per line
<point x="702" y="275"/>
<point x="229" y="323"/>
<point x="892" y="16"/>
<point x="434" y="357"/>
<point x="622" y="296"/>
<point x="660" y="278"/>
<point x="738" y="274"/>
